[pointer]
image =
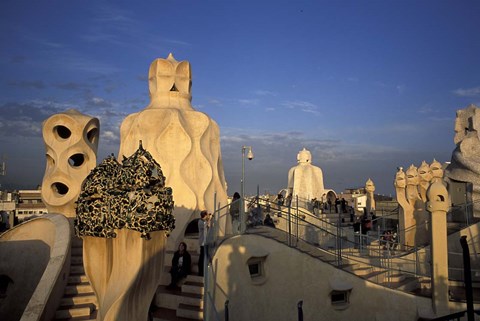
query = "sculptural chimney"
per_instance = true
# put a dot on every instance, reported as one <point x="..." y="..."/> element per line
<point x="185" y="142"/>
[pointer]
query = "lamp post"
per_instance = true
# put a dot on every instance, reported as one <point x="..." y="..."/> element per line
<point x="242" y="187"/>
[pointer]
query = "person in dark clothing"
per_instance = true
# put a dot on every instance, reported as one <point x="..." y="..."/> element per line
<point x="343" y="205"/>
<point x="181" y="265"/>
<point x="268" y="221"/>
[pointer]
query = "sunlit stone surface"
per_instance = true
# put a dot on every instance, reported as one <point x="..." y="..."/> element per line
<point x="306" y="180"/>
<point x="370" y="189"/>
<point x="71" y="141"/>
<point x="464" y="167"/>
<point x="185" y="142"/>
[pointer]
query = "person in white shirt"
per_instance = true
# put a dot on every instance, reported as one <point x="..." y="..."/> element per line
<point x="203" y="225"/>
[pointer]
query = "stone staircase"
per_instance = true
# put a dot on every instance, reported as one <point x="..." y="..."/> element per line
<point x="79" y="301"/>
<point x="382" y="276"/>
<point x="185" y="303"/>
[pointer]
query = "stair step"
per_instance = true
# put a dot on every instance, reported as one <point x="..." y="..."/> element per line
<point x="76" y="260"/>
<point x="395" y="278"/>
<point x="362" y="271"/>
<point x="77" y="270"/>
<point x="83" y="311"/>
<point x="192" y="299"/>
<point x="189" y="311"/>
<point x="77" y="242"/>
<point x="409" y="284"/>
<point x="79" y="288"/>
<point x="195" y="278"/>
<point x="76" y="279"/>
<point x="162" y="314"/>
<point x="376" y="276"/>
<point x="192" y="287"/>
<point x="79" y="299"/>
<point x="76" y="251"/>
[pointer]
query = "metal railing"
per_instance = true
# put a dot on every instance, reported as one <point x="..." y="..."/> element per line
<point x="342" y="246"/>
<point x="213" y="238"/>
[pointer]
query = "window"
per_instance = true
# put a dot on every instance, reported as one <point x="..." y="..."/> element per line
<point x="340" y="299"/>
<point x="256" y="269"/>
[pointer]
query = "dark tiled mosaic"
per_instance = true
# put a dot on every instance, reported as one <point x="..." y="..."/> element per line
<point x="130" y="195"/>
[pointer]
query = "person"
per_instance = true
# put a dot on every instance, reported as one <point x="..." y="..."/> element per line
<point x="254" y="216"/>
<point x="351" y="210"/>
<point x="394" y="241"/>
<point x="181" y="265"/>
<point x="203" y="225"/>
<point x="279" y="201"/>
<point x="343" y="205"/>
<point x="268" y="221"/>
<point x="288" y="200"/>
<point x="235" y="213"/>
<point x="387" y="239"/>
<point x="337" y="205"/>
<point x="314" y="205"/>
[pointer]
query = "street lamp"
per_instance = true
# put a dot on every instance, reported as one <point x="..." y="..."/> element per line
<point x="242" y="189"/>
<point x="250" y="157"/>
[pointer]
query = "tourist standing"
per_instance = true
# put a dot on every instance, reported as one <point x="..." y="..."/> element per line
<point x="203" y="225"/>
<point x="235" y="213"/>
<point x="343" y="205"/>
<point x="279" y="203"/>
<point x="288" y="200"/>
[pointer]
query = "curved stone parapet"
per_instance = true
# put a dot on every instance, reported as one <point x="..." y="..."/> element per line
<point x="185" y="142"/>
<point x="71" y="142"/>
<point x="34" y="265"/>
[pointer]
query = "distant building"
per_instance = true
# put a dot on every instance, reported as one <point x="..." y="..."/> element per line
<point x="355" y="197"/>
<point x="29" y="204"/>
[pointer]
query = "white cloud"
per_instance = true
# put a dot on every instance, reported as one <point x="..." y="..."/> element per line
<point x="304" y="106"/>
<point x="248" y="101"/>
<point x="467" y="92"/>
<point x="264" y="93"/>
<point x="426" y="109"/>
<point x="110" y="136"/>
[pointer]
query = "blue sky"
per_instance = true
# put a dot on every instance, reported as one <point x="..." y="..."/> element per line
<point x="366" y="86"/>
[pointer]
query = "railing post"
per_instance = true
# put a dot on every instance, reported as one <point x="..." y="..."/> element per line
<point x="226" y="310"/>
<point x="378" y="231"/>
<point x="361" y="238"/>
<point x="300" y="310"/>
<point x="296" y="227"/>
<point x="216" y="216"/>
<point x="416" y="260"/>
<point x="340" y="243"/>
<point x="467" y="278"/>
<point x="336" y="244"/>
<point x="289" y="227"/>
<point x="389" y="267"/>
